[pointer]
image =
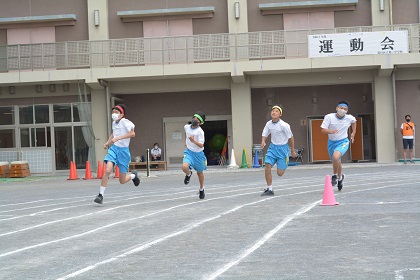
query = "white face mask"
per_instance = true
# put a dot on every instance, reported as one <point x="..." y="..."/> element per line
<point x="156" y="147"/>
<point x="115" y="117"/>
<point x="341" y="112"/>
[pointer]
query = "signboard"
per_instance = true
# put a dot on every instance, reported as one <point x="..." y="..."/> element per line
<point x="385" y="42"/>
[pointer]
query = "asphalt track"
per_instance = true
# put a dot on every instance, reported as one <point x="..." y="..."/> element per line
<point x="50" y="228"/>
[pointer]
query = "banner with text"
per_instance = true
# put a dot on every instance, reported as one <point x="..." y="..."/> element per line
<point x="385" y="42"/>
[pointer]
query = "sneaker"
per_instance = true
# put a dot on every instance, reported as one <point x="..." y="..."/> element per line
<point x="99" y="199"/>
<point x="334" y="180"/>
<point x="340" y="183"/>
<point x="267" y="192"/>
<point x="187" y="179"/>
<point x="202" y="194"/>
<point x="136" y="179"/>
<point x="411" y="161"/>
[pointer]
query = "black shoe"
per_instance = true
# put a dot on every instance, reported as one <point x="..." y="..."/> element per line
<point x="202" y="194"/>
<point x="136" y="179"/>
<point x="267" y="192"/>
<point x="340" y="183"/>
<point x="99" y="199"/>
<point x="187" y="179"/>
<point x="334" y="180"/>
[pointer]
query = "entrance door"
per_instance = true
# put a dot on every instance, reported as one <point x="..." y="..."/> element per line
<point x="63" y="147"/>
<point x="357" y="146"/>
<point x="318" y="141"/>
<point x="174" y="143"/>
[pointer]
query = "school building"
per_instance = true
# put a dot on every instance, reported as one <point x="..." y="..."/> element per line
<point x="64" y="64"/>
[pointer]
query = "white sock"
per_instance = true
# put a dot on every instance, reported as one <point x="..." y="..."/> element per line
<point x="335" y="175"/>
<point x="190" y="174"/>
<point x="132" y="176"/>
<point x="102" y="190"/>
<point x="270" y="187"/>
<point x="202" y="189"/>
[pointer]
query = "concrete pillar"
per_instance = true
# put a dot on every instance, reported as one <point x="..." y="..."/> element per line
<point x="241" y="120"/>
<point x="384" y="119"/>
<point x="380" y="17"/>
<point x="99" y="122"/>
<point x="238" y="25"/>
<point x="101" y="31"/>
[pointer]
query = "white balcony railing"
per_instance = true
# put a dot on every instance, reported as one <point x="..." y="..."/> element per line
<point x="178" y="49"/>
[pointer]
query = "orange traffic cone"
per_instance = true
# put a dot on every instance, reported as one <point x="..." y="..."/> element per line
<point x="73" y="173"/>
<point x="99" y="173"/>
<point x="117" y="172"/>
<point x="103" y="169"/>
<point x="88" y="173"/>
<point x="329" y="197"/>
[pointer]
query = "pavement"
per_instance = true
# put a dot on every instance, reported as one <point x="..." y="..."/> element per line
<point x="50" y="228"/>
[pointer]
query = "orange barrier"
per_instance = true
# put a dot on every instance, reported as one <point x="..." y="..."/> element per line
<point x="73" y="173"/>
<point x="88" y="173"/>
<point x="117" y="172"/>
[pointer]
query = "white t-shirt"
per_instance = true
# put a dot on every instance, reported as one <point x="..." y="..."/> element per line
<point x="332" y="122"/>
<point x="121" y="128"/>
<point x="280" y="132"/>
<point x="156" y="152"/>
<point x="198" y="136"/>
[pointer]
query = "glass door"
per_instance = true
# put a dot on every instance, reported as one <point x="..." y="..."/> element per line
<point x="63" y="147"/>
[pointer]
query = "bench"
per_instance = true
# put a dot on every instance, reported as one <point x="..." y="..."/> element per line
<point x="161" y="165"/>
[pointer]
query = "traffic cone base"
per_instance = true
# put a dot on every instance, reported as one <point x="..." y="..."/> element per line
<point x="244" y="162"/>
<point x="329" y="197"/>
<point x="99" y="173"/>
<point x="233" y="160"/>
<point x="256" y="162"/>
<point x="88" y="173"/>
<point x="73" y="172"/>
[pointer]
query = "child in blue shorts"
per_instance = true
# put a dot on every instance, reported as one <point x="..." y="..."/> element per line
<point x="336" y="126"/>
<point x="278" y="151"/>
<point x="118" y="153"/>
<point x="194" y="153"/>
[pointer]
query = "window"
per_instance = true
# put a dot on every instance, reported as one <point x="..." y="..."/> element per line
<point x="62" y="113"/>
<point x="42" y="114"/>
<point x="7" y="138"/>
<point x="26" y="114"/>
<point x="35" y="137"/>
<point x="7" y="116"/>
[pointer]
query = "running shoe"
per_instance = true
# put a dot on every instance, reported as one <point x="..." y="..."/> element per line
<point x="99" y="199"/>
<point x="136" y="179"/>
<point x="267" y="192"/>
<point x="187" y="179"/>
<point x="340" y="183"/>
<point x="334" y="180"/>
<point x="202" y="194"/>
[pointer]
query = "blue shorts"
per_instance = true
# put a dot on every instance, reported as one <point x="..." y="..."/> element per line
<point x="341" y="145"/>
<point x="196" y="160"/>
<point x="119" y="156"/>
<point x="278" y="154"/>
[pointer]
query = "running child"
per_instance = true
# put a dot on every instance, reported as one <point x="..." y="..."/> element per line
<point x="336" y="126"/>
<point x="118" y="153"/>
<point x="278" y="151"/>
<point x="194" y="153"/>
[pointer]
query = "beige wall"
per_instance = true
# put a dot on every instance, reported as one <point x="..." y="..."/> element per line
<point x="362" y="16"/>
<point x="297" y="106"/>
<point x="146" y="111"/>
<point x="258" y="22"/>
<point x="118" y="29"/>
<point x="408" y="103"/>
<point x="405" y="12"/>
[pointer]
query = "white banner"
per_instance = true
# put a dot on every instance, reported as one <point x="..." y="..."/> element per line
<point x="385" y="42"/>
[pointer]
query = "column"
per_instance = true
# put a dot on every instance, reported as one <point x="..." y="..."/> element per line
<point x="99" y="122"/>
<point x="384" y="119"/>
<point x="238" y="20"/>
<point x="241" y="120"/>
<point x="380" y="17"/>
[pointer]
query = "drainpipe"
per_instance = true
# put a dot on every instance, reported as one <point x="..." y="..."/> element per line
<point x="394" y="101"/>
<point x="105" y="84"/>
<point x="390" y="13"/>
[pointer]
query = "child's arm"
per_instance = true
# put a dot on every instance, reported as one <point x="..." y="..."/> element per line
<point x="108" y="141"/>
<point x="353" y="131"/>
<point x="201" y="145"/>
<point x="292" y="146"/>
<point x="263" y="142"/>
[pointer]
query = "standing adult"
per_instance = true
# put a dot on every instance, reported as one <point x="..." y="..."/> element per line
<point x="407" y="131"/>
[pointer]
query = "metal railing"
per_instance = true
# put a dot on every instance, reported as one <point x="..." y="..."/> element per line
<point x="279" y="44"/>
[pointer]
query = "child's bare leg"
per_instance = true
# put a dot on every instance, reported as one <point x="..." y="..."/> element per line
<point x="268" y="176"/>
<point x="186" y="168"/>
<point x="124" y="178"/>
<point x="201" y="179"/>
<point x="108" y="170"/>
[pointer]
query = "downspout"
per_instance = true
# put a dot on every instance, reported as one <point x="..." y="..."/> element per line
<point x="391" y="22"/>
<point x="394" y="101"/>
<point x="108" y="105"/>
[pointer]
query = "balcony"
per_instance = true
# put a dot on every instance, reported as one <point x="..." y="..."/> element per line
<point x="176" y="50"/>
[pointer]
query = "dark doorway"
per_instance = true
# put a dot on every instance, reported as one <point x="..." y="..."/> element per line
<point x="215" y="133"/>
